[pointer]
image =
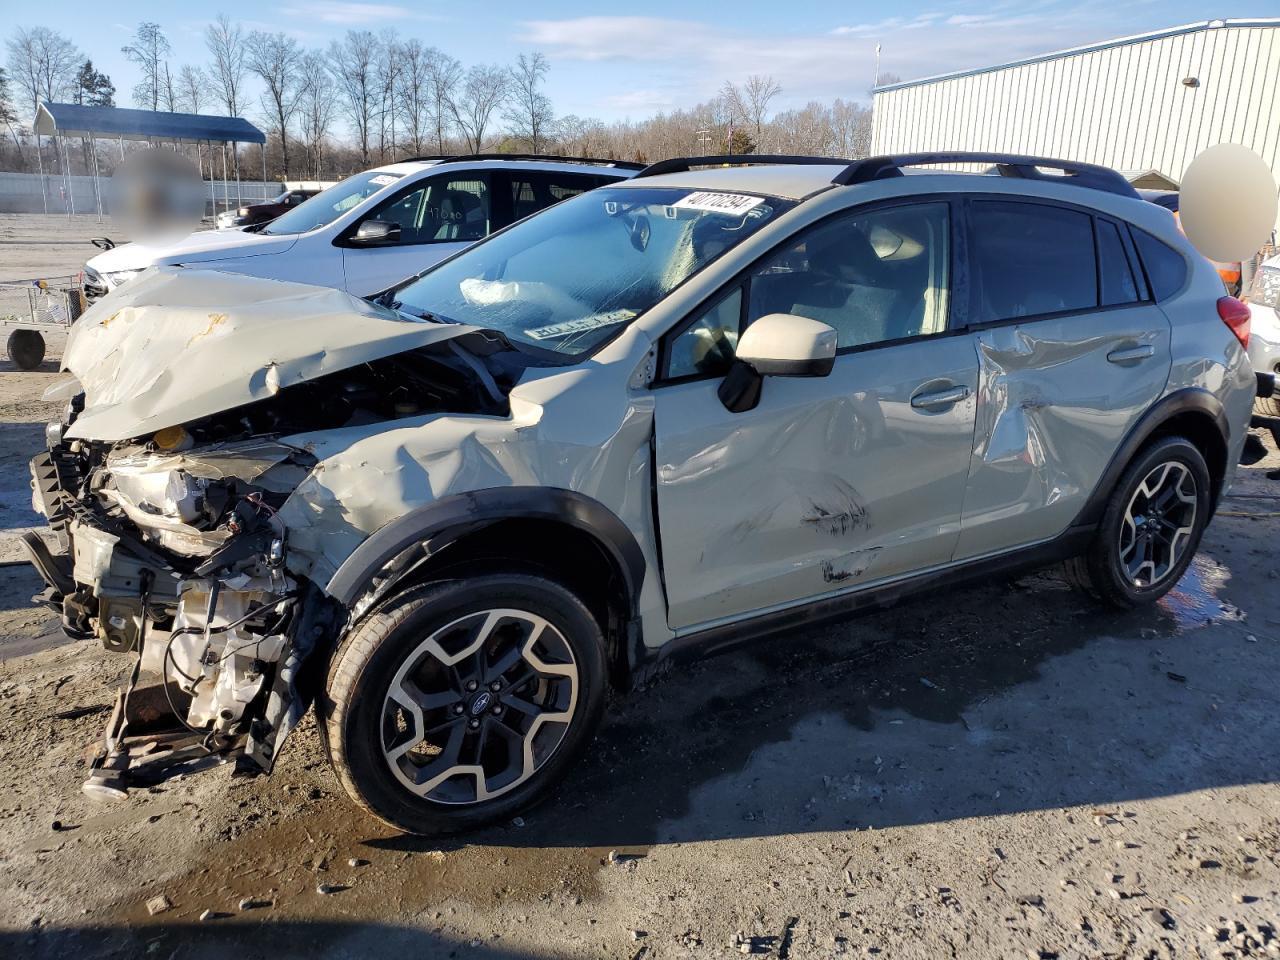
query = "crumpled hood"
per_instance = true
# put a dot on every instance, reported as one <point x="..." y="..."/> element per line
<point x="200" y="247"/>
<point x="177" y="345"/>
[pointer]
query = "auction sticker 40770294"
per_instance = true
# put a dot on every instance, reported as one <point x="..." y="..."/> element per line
<point x="732" y="204"/>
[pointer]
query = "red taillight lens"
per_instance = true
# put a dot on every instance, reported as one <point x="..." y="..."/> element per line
<point x="1235" y="314"/>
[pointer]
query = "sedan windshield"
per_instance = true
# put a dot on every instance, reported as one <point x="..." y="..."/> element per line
<point x="328" y="205"/>
<point x="573" y="276"/>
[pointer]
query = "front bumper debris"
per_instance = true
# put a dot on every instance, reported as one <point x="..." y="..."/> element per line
<point x="219" y="642"/>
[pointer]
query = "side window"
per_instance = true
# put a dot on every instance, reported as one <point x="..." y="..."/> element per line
<point x="442" y="209"/>
<point x="1031" y="259"/>
<point x="1166" y="270"/>
<point x="1118" y="282"/>
<point x="706" y="346"/>
<point x="876" y="276"/>
<point x="531" y="192"/>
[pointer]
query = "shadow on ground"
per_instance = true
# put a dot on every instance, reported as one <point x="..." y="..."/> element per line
<point x="270" y="940"/>
<point x="988" y="700"/>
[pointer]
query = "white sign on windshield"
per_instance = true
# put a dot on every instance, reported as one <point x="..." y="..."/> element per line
<point x="731" y="204"/>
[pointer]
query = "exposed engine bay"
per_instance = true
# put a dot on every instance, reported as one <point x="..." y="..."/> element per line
<point x="173" y="553"/>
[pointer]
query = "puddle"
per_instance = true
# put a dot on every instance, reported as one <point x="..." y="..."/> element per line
<point x="1194" y="602"/>
<point x="285" y="860"/>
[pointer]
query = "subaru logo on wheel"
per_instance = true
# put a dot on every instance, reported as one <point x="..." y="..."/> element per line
<point x="480" y="703"/>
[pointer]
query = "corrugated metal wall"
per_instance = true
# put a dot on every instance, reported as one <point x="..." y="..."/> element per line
<point x="1123" y="105"/>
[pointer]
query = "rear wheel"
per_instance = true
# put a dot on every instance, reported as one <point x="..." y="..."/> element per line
<point x="1151" y="526"/>
<point x="1269" y="406"/>
<point x="462" y="702"/>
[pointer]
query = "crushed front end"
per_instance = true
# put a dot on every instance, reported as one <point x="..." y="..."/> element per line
<point x="174" y="556"/>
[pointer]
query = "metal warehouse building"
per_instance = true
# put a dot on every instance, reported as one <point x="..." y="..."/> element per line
<point x="1149" y="102"/>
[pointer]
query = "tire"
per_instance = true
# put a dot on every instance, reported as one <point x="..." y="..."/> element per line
<point x="401" y="658"/>
<point x="1101" y="570"/>
<point x="1269" y="406"/>
<point x="26" y="349"/>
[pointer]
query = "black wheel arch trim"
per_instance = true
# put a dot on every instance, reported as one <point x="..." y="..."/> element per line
<point x="1186" y="400"/>
<point x="453" y="517"/>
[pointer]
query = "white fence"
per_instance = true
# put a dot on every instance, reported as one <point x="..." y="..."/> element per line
<point x="22" y="193"/>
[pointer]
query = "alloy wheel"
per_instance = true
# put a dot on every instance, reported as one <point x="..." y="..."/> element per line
<point x="1158" y="523"/>
<point x="479" y="706"/>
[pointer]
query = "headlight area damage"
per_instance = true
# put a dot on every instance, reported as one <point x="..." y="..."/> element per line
<point x="170" y="547"/>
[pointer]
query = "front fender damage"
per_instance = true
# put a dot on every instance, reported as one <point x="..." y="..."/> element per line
<point x="206" y="549"/>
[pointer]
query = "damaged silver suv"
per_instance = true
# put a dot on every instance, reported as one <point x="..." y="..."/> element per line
<point x="655" y="419"/>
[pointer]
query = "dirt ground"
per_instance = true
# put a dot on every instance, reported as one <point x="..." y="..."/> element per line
<point x="1004" y="770"/>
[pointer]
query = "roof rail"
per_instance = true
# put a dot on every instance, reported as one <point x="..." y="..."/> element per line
<point x="683" y="164"/>
<point x="1008" y="164"/>
<point x="464" y="157"/>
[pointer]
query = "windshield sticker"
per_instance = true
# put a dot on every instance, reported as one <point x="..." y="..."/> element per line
<point x="730" y="204"/>
<point x="383" y="179"/>
<point x="578" y="326"/>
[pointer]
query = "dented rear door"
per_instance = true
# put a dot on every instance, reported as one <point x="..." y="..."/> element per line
<point x="1061" y="387"/>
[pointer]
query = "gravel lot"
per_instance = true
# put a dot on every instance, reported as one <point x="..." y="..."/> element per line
<point x="1005" y="770"/>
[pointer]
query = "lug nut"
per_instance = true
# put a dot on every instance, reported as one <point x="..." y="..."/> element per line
<point x="471" y="685"/>
<point x="497" y="710"/>
<point x="458" y="708"/>
<point x="495" y="686"/>
<point x="474" y="724"/>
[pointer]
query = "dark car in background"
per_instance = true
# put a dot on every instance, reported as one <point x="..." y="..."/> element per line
<point x="252" y="213"/>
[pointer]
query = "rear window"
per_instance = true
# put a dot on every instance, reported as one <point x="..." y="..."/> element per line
<point x="1166" y="268"/>
<point x="1031" y="260"/>
<point x="1118" y="282"/>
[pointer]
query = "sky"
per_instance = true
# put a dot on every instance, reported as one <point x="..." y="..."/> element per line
<point x="615" y="65"/>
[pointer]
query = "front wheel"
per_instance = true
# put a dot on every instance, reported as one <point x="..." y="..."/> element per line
<point x="1151" y="526"/>
<point x="464" y="701"/>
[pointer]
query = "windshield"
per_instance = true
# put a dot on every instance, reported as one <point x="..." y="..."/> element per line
<point x="574" y="275"/>
<point x="328" y="205"/>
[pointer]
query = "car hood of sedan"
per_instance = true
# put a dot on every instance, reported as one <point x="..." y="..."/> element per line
<point x="175" y="345"/>
<point x="204" y="246"/>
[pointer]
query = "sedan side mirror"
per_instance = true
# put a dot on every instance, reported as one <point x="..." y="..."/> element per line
<point x="372" y="233"/>
<point x="777" y="345"/>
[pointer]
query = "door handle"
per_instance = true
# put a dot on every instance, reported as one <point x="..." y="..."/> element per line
<point x="1131" y="354"/>
<point x="942" y="398"/>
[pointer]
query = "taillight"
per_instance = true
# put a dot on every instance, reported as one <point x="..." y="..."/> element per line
<point x="1235" y="314"/>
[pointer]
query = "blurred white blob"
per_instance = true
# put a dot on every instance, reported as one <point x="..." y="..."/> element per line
<point x="1227" y="202"/>
<point x="156" y="195"/>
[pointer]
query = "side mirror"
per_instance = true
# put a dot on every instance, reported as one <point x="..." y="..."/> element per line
<point x="372" y="233"/>
<point x="777" y="345"/>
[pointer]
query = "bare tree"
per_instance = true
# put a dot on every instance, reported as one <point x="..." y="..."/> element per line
<point x="276" y="58"/>
<point x="148" y="50"/>
<point x="225" y="42"/>
<point x="445" y="73"/>
<point x="414" y="102"/>
<point x="483" y="90"/>
<point x="850" y="129"/>
<point x="44" y="64"/>
<point x="529" y="112"/>
<point x="193" y="88"/>
<point x="317" y="106"/>
<point x="749" y="104"/>
<point x="389" y="72"/>
<point x="581" y="136"/>
<point x="9" y="114"/>
<point x="353" y="64"/>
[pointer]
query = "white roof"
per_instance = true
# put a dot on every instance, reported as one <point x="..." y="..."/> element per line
<point x="792" y="181"/>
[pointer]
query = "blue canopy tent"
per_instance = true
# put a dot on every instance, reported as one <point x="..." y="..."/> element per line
<point x="62" y="120"/>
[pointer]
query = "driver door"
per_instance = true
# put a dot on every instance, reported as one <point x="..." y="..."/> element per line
<point x="437" y="217"/>
<point x="829" y="483"/>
